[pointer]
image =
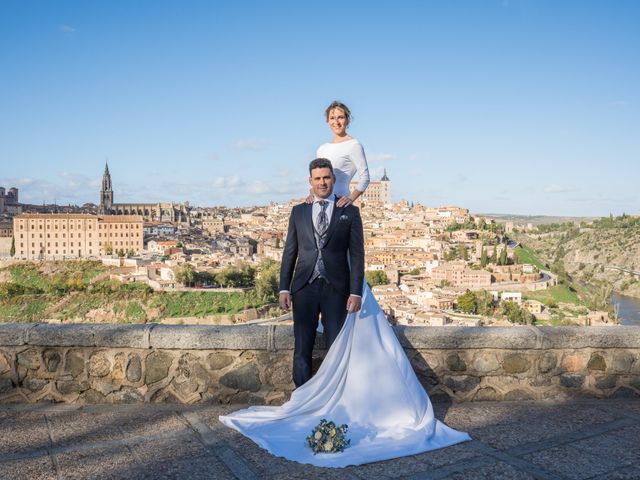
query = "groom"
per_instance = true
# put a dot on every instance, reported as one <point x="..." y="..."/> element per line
<point x="322" y="268"/>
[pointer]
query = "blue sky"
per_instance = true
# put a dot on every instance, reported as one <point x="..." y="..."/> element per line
<point x="501" y="106"/>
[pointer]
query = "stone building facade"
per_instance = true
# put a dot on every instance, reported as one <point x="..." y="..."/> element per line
<point x="377" y="193"/>
<point x="457" y="274"/>
<point x="58" y="236"/>
<point x="150" y="212"/>
<point x="9" y="200"/>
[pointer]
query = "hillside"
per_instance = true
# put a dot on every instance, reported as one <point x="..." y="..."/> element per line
<point x="80" y="291"/>
<point x="587" y="253"/>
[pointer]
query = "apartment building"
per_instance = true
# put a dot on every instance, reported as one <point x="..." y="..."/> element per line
<point x="59" y="236"/>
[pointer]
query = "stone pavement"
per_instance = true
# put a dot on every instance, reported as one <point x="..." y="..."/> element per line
<point x="594" y="439"/>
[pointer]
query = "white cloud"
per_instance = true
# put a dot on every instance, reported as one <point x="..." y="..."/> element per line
<point x="231" y="182"/>
<point x="618" y="103"/>
<point x="381" y="157"/>
<point x="66" y="29"/>
<point x="555" y="188"/>
<point x="376" y="173"/>
<point x="252" y="144"/>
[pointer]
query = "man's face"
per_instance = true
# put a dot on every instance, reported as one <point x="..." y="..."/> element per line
<point x="321" y="181"/>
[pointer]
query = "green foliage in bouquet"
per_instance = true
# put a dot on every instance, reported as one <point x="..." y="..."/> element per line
<point x="328" y="437"/>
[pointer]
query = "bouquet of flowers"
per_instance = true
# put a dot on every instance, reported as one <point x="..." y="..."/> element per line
<point x="328" y="437"/>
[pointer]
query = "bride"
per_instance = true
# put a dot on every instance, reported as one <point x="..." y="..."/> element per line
<point x="365" y="381"/>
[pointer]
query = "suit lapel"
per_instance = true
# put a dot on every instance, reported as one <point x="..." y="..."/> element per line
<point x="308" y="221"/>
<point x="337" y="213"/>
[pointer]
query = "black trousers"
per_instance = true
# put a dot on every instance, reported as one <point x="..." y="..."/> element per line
<point x="309" y="302"/>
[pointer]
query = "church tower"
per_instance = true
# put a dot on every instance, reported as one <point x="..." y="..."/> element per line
<point x="106" y="193"/>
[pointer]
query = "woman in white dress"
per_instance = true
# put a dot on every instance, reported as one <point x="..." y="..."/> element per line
<point x="365" y="381"/>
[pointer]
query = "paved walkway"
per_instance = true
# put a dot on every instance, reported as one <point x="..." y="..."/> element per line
<point x="595" y="439"/>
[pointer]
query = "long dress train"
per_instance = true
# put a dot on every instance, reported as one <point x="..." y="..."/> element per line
<point x="365" y="381"/>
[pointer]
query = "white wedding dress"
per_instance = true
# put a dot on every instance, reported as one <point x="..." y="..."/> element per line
<point x="365" y="381"/>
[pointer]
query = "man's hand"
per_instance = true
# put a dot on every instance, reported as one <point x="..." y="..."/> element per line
<point x="285" y="301"/>
<point x="353" y="304"/>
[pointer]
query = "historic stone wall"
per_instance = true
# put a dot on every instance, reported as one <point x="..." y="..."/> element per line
<point x="251" y="363"/>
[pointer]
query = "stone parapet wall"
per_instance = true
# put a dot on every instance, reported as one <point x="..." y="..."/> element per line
<point x="252" y="363"/>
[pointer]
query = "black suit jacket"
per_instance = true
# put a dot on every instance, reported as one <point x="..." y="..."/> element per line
<point x="344" y="240"/>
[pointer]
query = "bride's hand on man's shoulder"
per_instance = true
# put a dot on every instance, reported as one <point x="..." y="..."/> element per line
<point x="343" y="202"/>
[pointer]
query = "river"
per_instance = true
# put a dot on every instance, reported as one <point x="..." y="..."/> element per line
<point x="628" y="309"/>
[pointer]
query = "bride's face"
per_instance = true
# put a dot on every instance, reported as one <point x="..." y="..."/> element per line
<point x="338" y="122"/>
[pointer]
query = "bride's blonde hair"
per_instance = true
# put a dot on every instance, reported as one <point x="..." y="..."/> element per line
<point x="342" y="106"/>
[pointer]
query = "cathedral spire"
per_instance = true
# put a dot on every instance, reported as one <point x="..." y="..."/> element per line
<point x="384" y="177"/>
<point x="106" y="193"/>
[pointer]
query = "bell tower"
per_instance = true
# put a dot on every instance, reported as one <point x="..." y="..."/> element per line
<point x="106" y="193"/>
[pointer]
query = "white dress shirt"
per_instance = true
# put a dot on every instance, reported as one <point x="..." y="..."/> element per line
<point x="316" y="209"/>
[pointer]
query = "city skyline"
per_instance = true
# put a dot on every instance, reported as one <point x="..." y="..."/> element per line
<point x="499" y="106"/>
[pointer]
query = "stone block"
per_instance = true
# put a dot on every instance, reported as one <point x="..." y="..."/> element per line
<point x="455" y="362"/>
<point x="132" y="336"/>
<point x="606" y="382"/>
<point x="5" y="366"/>
<point x="519" y="395"/>
<point x="515" y="363"/>
<point x="91" y="396"/>
<point x="625" y="392"/>
<point x="487" y="393"/>
<point x="456" y="338"/>
<point x="126" y="395"/>
<point x="14" y="334"/>
<point x="590" y="337"/>
<point x="571" y="380"/>
<point x="67" y="387"/>
<point x="104" y="386"/>
<point x="201" y="337"/>
<point x="596" y="363"/>
<point x="461" y="383"/>
<point x="158" y="364"/>
<point x="622" y="362"/>
<point x="486" y="362"/>
<point x="30" y="359"/>
<point x="573" y="362"/>
<point x="218" y="361"/>
<point x="74" y="363"/>
<point x="99" y="365"/>
<point x="134" y="369"/>
<point x="35" y="384"/>
<point x="63" y="335"/>
<point x="283" y="337"/>
<point x="634" y="382"/>
<point x="5" y="385"/>
<point x="245" y="378"/>
<point x="548" y="362"/>
<point x="52" y="360"/>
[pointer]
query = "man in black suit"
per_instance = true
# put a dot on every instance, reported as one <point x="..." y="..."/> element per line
<point x="322" y="268"/>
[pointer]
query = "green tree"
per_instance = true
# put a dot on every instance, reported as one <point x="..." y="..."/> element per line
<point x="108" y="249"/>
<point x="468" y="302"/>
<point x="12" y="252"/>
<point x="494" y="256"/>
<point x="130" y="253"/>
<point x="485" y="303"/>
<point x="376" y="277"/>
<point x="268" y="279"/>
<point x="484" y="259"/>
<point x="504" y="259"/>
<point x="120" y="252"/>
<point x="185" y="274"/>
<point x="462" y="251"/>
